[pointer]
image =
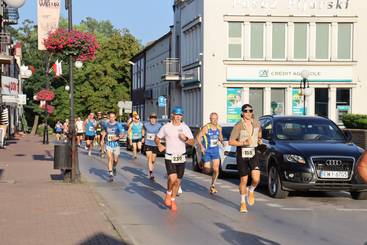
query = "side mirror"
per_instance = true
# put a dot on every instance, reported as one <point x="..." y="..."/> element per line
<point x="348" y="136"/>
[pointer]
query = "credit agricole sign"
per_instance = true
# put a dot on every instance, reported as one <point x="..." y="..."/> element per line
<point x="294" y="4"/>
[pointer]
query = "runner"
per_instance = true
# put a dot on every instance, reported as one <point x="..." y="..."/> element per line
<point x="246" y="135"/>
<point x="177" y="134"/>
<point x="102" y="122"/>
<point x="79" y="130"/>
<point x="97" y="139"/>
<point x="58" y="130"/>
<point x="211" y="133"/>
<point x="151" y="149"/>
<point x="113" y="131"/>
<point x="66" y="130"/>
<point x="90" y="132"/>
<point x="136" y="133"/>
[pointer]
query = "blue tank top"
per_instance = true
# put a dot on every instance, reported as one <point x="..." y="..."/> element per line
<point x="136" y="129"/>
<point x="150" y="132"/>
<point x="58" y="128"/>
<point x="212" y="137"/>
<point x="113" y="130"/>
<point x="89" y="128"/>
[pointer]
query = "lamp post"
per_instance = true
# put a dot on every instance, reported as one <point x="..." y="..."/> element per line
<point x="305" y="88"/>
<point x="75" y="173"/>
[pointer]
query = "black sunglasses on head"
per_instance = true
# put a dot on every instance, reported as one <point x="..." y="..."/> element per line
<point x="248" y="110"/>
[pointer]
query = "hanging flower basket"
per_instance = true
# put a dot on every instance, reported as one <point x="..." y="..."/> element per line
<point x="45" y="94"/>
<point x="81" y="45"/>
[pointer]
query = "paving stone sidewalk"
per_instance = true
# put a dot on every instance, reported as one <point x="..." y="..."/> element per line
<point x="36" y="207"/>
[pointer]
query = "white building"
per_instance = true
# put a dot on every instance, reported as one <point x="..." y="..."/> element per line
<point x="254" y="51"/>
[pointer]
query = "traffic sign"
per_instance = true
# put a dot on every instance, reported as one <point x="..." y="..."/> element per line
<point x="162" y="101"/>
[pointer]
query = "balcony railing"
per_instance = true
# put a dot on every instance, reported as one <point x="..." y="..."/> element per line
<point x="11" y="16"/>
<point x="171" y="69"/>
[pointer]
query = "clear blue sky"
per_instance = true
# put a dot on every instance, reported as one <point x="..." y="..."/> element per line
<point x="147" y="20"/>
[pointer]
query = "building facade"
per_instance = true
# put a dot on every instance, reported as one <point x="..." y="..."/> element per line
<point x="255" y="51"/>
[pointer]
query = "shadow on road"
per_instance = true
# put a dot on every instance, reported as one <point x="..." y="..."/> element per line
<point x="42" y="158"/>
<point x="102" y="173"/>
<point x="102" y="239"/>
<point x="144" y="187"/>
<point x="241" y="238"/>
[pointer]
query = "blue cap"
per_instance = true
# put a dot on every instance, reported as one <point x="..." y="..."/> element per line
<point x="177" y="110"/>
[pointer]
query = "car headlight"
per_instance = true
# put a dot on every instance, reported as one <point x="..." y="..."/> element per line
<point x="294" y="158"/>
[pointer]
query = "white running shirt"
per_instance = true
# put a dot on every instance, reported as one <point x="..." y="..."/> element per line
<point x="174" y="145"/>
<point x="79" y="126"/>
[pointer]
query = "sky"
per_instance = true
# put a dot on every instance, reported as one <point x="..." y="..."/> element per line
<point x="147" y="20"/>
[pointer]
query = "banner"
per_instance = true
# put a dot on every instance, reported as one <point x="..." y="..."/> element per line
<point x="234" y="104"/>
<point x="9" y="85"/>
<point x="297" y="102"/>
<point x="48" y="19"/>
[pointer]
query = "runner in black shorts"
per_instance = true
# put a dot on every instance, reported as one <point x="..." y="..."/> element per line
<point x="246" y="135"/>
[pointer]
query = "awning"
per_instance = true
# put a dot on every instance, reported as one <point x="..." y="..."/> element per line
<point x="6" y="59"/>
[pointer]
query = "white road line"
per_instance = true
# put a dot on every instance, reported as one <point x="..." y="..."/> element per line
<point x="274" y="205"/>
<point x="226" y="187"/>
<point x="297" y="209"/>
<point x="352" y="209"/>
<point x="260" y="200"/>
<point x="234" y="190"/>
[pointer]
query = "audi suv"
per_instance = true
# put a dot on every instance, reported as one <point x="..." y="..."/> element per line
<point x="308" y="153"/>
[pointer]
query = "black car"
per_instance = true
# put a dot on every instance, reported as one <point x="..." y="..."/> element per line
<point x="308" y="153"/>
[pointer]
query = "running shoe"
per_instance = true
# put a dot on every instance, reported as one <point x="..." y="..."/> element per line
<point x="167" y="200"/>
<point x="114" y="171"/>
<point x="179" y="191"/>
<point x="213" y="190"/>
<point x="243" y="208"/>
<point x="89" y="153"/>
<point x="173" y="206"/>
<point x="250" y="197"/>
<point x="151" y="178"/>
<point x="110" y="178"/>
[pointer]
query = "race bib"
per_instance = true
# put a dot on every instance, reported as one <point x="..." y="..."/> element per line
<point x="150" y="136"/>
<point x="136" y="136"/>
<point x="248" y="152"/>
<point x="111" y="137"/>
<point x="213" y="142"/>
<point x="177" y="158"/>
<point x="91" y="128"/>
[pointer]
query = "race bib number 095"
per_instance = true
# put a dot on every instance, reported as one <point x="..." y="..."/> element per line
<point x="248" y="152"/>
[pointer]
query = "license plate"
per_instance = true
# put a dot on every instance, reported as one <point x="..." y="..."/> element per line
<point x="334" y="174"/>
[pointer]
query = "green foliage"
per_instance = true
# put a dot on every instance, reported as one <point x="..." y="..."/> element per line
<point x="99" y="84"/>
<point x="356" y="121"/>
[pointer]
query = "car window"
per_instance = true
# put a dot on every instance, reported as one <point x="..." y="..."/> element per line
<point x="311" y="130"/>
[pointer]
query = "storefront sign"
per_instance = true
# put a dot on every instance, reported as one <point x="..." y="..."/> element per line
<point x="9" y="99"/>
<point x="9" y="85"/>
<point x="48" y="19"/>
<point x="288" y="74"/>
<point x="293" y="4"/>
<point x="22" y="99"/>
<point x="234" y="104"/>
<point x="297" y="102"/>
<point x="192" y="75"/>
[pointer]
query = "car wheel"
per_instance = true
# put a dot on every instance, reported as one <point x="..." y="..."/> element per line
<point x="359" y="195"/>
<point x="275" y="185"/>
<point x="195" y="163"/>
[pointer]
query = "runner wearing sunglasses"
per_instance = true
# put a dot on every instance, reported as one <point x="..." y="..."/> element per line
<point x="246" y="135"/>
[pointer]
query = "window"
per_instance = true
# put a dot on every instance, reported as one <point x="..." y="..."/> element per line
<point x="300" y="41"/>
<point x="344" y="41"/>
<point x="257" y="40"/>
<point x="322" y="102"/>
<point x="235" y="40"/>
<point x="322" y="40"/>
<point x="277" y="101"/>
<point x="257" y="101"/>
<point x="279" y="41"/>
<point x="342" y="102"/>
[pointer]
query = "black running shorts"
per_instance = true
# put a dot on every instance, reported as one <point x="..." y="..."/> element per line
<point x="246" y="165"/>
<point x="153" y="149"/>
<point x="175" y="168"/>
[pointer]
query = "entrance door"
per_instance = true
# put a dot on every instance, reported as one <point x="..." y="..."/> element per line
<point x="322" y="102"/>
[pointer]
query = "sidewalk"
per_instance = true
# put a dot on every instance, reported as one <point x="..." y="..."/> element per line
<point x="38" y="208"/>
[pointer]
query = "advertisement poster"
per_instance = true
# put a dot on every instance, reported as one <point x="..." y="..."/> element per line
<point x="234" y="104"/>
<point x="297" y="102"/>
<point x="47" y="19"/>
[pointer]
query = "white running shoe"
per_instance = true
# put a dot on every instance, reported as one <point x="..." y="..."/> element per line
<point x="179" y="192"/>
<point x="89" y="153"/>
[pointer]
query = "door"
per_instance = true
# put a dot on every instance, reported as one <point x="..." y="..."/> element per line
<point x="322" y="102"/>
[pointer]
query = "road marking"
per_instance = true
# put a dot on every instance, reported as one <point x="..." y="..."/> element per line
<point x="234" y="190"/>
<point x="274" y="205"/>
<point x="261" y="200"/>
<point x="226" y="187"/>
<point x="297" y="209"/>
<point x="352" y="209"/>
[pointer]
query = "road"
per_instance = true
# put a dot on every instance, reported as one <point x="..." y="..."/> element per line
<point x="136" y="208"/>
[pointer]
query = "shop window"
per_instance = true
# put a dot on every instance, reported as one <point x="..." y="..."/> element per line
<point x="278" y="40"/>
<point x="257" y="40"/>
<point x="322" y="40"/>
<point x="300" y="41"/>
<point x="277" y="101"/>
<point x="343" y="102"/>
<point x="235" y="40"/>
<point x="344" y="41"/>
<point x="322" y="102"/>
<point x="257" y="101"/>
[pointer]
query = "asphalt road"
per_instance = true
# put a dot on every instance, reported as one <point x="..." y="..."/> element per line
<point x="135" y="206"/>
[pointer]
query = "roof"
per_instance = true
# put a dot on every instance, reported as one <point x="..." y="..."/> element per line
<point x="295" y="117"/>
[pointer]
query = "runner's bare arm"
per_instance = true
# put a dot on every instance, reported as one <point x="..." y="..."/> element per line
<point x="362" y="167"/>
<point x="161" y="147"/>
<point x="220" y="135"/>
<point x="199" y="136"/>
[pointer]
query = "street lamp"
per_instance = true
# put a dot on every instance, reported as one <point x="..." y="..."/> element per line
<point x="305" y="88"/>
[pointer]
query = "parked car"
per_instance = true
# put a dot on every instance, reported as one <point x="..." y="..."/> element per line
<point x="227" y="154"/>
<point x="308" y="153"/>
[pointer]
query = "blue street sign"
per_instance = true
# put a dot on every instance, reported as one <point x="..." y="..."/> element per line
<point x="162" y="101"/>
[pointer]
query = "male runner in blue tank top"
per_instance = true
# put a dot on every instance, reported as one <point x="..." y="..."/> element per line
<point x="151" y="150"/>
<point x="113" y="132"/>
<point x="90" y="131"/>
<point x="212" y="135"/>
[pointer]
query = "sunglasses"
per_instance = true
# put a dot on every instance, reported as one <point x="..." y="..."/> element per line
<point x="248" y="110"/>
